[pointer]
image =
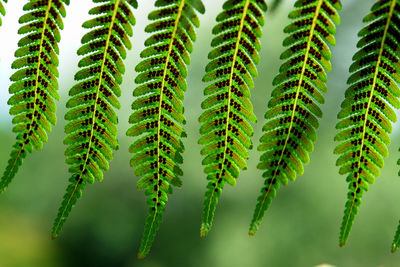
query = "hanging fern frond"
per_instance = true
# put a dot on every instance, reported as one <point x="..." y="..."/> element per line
<point x="157" y="116"/>
<point x="366" y="116"/>
<point x="35" y="85"/>
<point x="293" y="111"/>
<point x="2" y="9"/>
<point x="91" y="128"/>
<point x="227" y="111"/>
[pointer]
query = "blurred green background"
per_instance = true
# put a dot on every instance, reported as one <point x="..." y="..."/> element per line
<point x="300" y="229"/>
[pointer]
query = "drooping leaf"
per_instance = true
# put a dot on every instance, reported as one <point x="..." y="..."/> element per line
<point x="91" y="128"/>
<point x="157" y="116"/>
<point x="35" y="85"/>
<point x="366" y="115"/>
<point x="227" y="109"/>
<point x="293" y="111"/>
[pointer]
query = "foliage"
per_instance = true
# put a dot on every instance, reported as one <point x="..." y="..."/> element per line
<point x="91" y="129"/>
<point x="293" y="110"/>
<point x="157" y="120"/>
<point x="34" y="87"/>
<point x="366" y="114"/>
<point x="225" y="128"/>
<point x="157" y="116"/>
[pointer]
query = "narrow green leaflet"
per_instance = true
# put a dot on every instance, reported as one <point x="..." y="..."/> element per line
<point x="34" y="84"/>
<point x="91" y="129"/>
<point x="293" y="111"/>
<point x="157" y="116"/>
<point x="366" y="116"/>
<point x="225" y="130"/>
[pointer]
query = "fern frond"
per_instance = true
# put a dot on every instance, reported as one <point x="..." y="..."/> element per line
<point x="293" y="111"/>
<point x="2" y="9"/>
<point x="157" y="116"/>
<point x="91" y="128"/>
<point x="227" y="111"/>
<point x="366" y="115"/>
<point x="35" y="85"/>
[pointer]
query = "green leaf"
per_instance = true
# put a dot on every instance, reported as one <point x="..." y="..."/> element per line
<point x="293" y="111"/>
<point x="157" y="115"/>
<point x="35" y="85"/>
<point x="227" y="111"/>
<point x="366" y="115"/>
<point x="91" y="119"/>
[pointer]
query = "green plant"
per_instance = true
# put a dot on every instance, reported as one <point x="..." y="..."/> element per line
<point x="366" y="114"/>
<point x="293" y="110"/>
<point x="34" y="87"/>
<point x="157" y="116"/>
<point x="157" y="120"/>
<point x="225" y="130"/>
<point x="91" y="130"/>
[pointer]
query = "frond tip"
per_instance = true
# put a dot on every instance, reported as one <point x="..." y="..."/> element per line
<point x="293" y="111"/>
<point x="157" y="116"/>
<point x="35" y="85"/>
<point x="91" y="128"/>
<point x="366" y="117"/>
<point x="225" y="129"/>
